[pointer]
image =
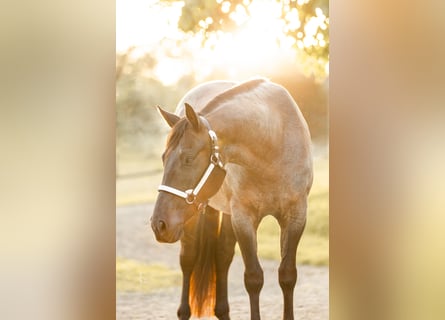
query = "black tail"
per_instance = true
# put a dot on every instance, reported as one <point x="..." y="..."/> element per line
<point x="203" y="280"/>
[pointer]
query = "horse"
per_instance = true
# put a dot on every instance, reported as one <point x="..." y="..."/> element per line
<point x="236" y="153"/>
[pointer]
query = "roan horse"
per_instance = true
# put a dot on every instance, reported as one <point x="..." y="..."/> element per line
<point x="240" y="153"/>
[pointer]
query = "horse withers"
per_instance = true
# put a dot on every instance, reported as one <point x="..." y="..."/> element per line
<point x="236" y="153"/>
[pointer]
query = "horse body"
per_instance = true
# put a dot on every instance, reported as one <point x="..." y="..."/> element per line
<point x="266" y="143"/>
<point x="265" y="146"/>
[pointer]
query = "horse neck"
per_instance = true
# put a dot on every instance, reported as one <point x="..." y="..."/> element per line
<point x="242" y="141"/>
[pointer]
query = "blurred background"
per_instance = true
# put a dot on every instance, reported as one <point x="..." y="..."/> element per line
<point x="57" y="186"/>
<point x="386" y="116"/>
<point x="164" y="49"/>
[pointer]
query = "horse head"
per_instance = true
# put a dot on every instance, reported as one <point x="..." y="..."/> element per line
<point x="192" y="173"/>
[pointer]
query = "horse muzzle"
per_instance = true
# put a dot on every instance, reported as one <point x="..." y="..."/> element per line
<point x="165" y="233"/>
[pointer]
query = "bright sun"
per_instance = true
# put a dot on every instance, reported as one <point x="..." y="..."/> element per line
<point x="258" y="42"/>
<point x="255" y="43"/>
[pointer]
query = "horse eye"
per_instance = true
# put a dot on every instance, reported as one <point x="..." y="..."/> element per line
<point x="188" y="160"/>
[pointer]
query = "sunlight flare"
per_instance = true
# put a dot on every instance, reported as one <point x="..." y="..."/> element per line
<point x="260" y="39"/>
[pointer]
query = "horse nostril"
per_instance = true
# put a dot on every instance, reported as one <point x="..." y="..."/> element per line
<point x="161" y="226"/>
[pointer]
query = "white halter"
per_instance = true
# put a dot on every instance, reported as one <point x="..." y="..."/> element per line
<point x="190" y="195"/>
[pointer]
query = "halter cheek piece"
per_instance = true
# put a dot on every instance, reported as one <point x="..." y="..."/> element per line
<point x="191" y="195"/>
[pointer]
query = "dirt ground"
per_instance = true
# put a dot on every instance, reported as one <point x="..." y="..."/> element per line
<point x="135" y="240"/>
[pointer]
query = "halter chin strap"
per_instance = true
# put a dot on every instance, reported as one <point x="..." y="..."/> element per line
<point x="191" y="195"/>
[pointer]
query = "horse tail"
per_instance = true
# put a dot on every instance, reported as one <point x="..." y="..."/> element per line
<point x="202" y="296"/>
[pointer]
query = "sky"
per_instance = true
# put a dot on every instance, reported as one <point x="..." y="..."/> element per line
<point x="143" y="23"/>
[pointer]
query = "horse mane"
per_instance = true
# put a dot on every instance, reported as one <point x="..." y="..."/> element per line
<point x="232" y="92"/>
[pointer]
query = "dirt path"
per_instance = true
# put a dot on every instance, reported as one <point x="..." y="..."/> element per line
<point x="135" y="240"/>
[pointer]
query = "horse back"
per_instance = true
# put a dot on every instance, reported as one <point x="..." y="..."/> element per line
<point x="201" y="95"/>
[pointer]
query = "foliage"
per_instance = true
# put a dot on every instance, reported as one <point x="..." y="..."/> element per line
<point x="305" y="21"/>
<point x="138" y="92"/>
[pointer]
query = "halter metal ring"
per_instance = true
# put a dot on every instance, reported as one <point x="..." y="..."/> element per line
<point x="216" y="160"/>
<point x="190" y="199"/>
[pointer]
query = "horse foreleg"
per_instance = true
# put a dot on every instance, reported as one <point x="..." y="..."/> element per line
<point x="187" y="259"/>
<point x="291" y="229"/>
<point x="224" y="256"/>
<point x="245" y="227"/>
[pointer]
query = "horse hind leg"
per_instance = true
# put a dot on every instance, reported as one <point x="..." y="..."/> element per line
<point x="292" y="227"/>
<point x="225" y="251"/>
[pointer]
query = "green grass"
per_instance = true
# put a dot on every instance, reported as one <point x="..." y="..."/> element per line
<point x="135" y="276"/>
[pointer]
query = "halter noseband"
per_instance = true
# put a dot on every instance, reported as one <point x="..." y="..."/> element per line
<point x="191" y="195"/>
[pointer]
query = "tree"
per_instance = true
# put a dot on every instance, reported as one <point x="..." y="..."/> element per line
<point x="305" y="21"/>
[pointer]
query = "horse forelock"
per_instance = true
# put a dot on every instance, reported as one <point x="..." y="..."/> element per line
<point x="175" y="135"/>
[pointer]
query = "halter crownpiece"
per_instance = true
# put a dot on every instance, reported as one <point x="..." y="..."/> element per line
<point x="215" y="169"/>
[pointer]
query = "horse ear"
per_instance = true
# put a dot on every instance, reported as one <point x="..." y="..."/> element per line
<point x="170" y="118"/>
<point x="192" y="116"/>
